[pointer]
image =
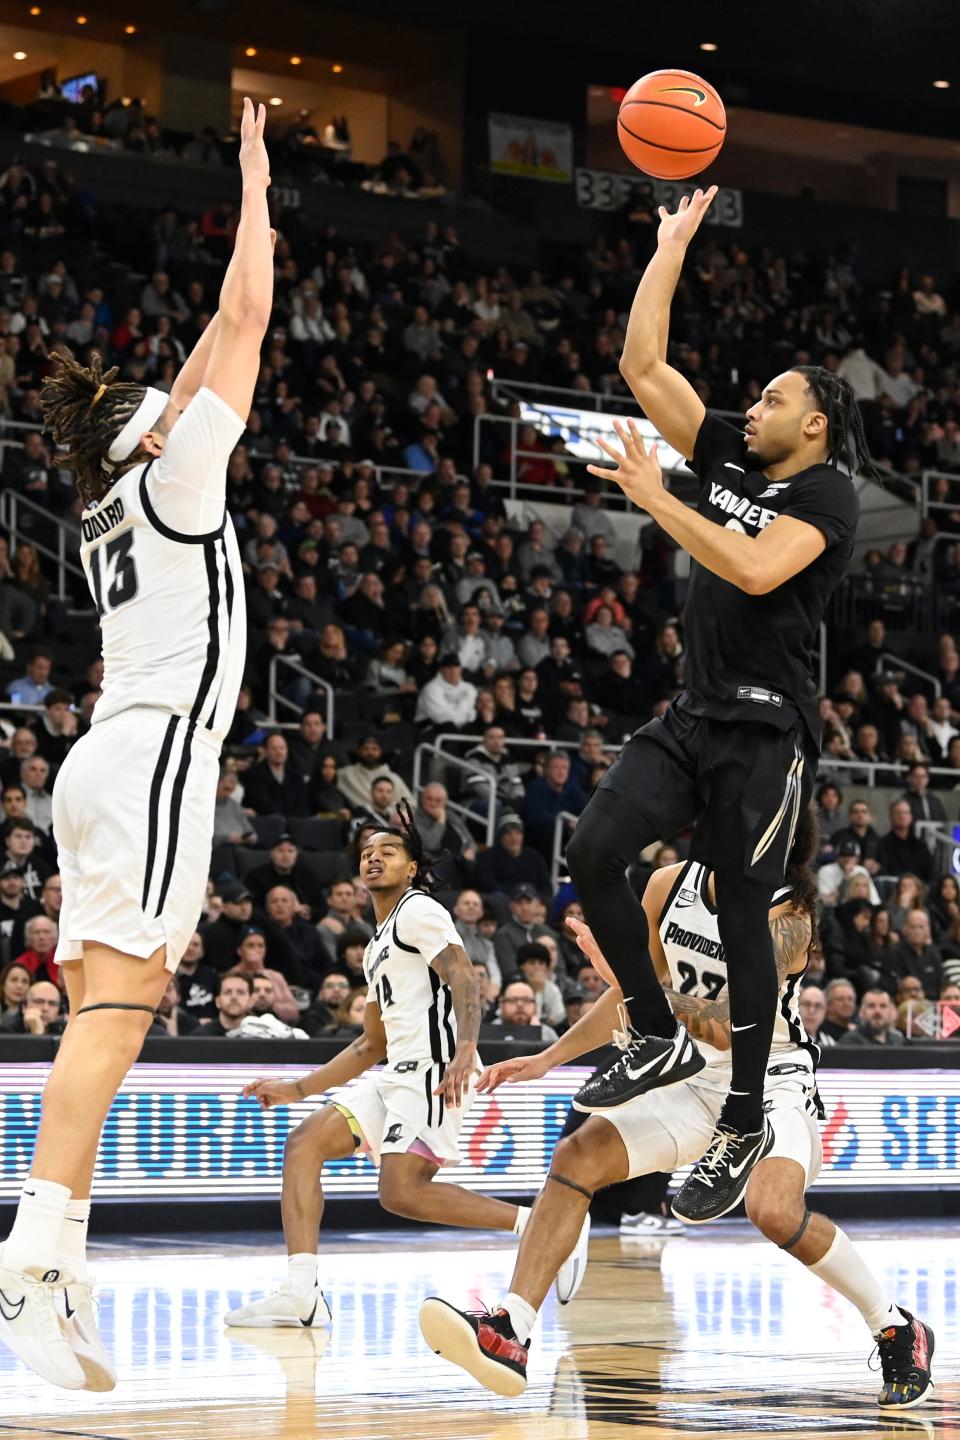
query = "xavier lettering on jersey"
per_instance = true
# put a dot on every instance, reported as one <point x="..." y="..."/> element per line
<point x="102" y="520"/>
<point x="740" y="507"/>
<point x="690" y="940"/>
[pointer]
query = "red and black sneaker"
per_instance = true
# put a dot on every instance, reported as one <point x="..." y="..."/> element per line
<point x="481" y="1342"/>
<point x="906" y="1354"/>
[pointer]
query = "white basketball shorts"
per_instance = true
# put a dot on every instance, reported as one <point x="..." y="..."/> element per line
<point x="397" y="1112"/>
<point x="670" y="1128"/>
<point x="133" y="822"/>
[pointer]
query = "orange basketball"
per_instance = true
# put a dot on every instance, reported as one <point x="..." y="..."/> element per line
<point x="671" y="124"/>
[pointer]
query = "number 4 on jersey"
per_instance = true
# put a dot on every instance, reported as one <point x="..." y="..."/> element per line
<point x="112" y="567"/>
<point x="384" y="992"/>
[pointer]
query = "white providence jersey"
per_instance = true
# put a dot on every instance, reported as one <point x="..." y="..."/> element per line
<point x="170" y="594"/>
<point x="416" y="1006"/>
<point x="698" y="966"/>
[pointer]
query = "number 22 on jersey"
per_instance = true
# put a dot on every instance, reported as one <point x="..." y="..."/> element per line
<point x="113" y="572"/>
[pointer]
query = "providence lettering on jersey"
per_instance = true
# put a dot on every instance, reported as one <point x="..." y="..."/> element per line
<point x="692" y="941"/>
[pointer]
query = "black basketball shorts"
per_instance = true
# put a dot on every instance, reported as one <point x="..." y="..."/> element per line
<point x="742" y="784"/>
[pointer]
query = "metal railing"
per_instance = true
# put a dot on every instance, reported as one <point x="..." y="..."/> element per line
<point x="899" y="664"/>
<point x="565" y="821"/>
<point x="514" y="743"/>
<point x="15" y="514"/>
<point x="897" y="768"/>
<point x="277" y="698"/>
<point x="420" y="756"/>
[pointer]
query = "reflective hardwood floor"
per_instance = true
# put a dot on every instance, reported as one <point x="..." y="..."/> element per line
<point x="706" y="1333"/>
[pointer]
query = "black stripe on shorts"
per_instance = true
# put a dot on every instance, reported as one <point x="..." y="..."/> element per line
<point x="153" y="820"/>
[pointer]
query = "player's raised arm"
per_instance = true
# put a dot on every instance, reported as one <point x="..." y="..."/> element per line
<point x="666" y="398"/>
<point x="246" y="296"/>
<point x="455" y="970"/>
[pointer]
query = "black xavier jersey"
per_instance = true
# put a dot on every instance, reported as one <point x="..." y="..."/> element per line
<point x="750" y="657"/>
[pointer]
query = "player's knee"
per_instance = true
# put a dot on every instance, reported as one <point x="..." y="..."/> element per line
<point x="303" y="1146"/>
<point x="121" y="1031"/>
<point x="777" y="1217"/>
<point x="575" y="1159"/>
<point x="400" y="1196"/>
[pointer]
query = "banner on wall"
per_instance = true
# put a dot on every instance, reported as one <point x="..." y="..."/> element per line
<point x="613" y="189"/>
<point x="530" y="149"/>
<point x="178" y="1130"/>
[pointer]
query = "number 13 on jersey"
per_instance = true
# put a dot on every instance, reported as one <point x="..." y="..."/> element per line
<point x="113" y="572"/>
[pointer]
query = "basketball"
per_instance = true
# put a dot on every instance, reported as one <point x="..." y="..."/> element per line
<point x="671" y="124"/>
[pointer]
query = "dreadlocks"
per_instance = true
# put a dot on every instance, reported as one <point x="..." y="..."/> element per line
<point x="846" y="441"/>
<point x="406" y="831"/>
<point x="799" y="872"/>
<point x="85" y="409"/>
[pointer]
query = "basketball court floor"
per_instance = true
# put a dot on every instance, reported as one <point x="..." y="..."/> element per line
<point x="713" y="1332"/>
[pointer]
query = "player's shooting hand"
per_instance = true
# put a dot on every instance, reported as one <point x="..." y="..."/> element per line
<point x="587" y="942"/>
<point x="268" y="1093"/>
<point x="512" y="1072"/>
<point x="638" y="470"/>
<point x="681" y="226"/>
<point x="254" y="161"/>
<point x="457" y="1077"/>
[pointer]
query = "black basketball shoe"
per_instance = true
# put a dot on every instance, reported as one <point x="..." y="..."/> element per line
<point x="716" y="1183"/>
<point x="647" y="1062"/>
<point x="906" y="1354"/>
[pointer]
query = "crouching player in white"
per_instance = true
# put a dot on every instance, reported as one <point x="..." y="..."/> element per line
<point x="133" y="806"/>
<point x="666" y="1129"/>
<point x="422" y="1018"/>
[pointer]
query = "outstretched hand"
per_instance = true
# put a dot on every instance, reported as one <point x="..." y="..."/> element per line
<point x="254" y="161"/>
<point x="638" y="470"/>
<point x="683" y="224"/>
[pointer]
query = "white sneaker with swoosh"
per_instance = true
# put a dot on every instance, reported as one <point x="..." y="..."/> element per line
<point x="571" y="1272"/>
<point x="282" y="1310"/>
<point x="29" y="1326"/>
<point x="79" y="1324"/>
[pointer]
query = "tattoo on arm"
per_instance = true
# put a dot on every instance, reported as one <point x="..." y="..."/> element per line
<point x="791" y="933"/>
<point x="706" y="1020"/>
<point x="455" y="970"/>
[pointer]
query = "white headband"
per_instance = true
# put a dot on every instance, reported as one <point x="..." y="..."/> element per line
<point x="145" y="416"/>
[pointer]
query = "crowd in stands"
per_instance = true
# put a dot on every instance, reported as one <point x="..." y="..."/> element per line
<point x="425" y="607"/>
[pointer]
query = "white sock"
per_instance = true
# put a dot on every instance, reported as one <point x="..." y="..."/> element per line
<point x="523" y="1215"/>
<point x="302" y="1275"/>
<point x="845" y="1270"/>
<point x="522" y="1316"/>
<point x="73" y="1239"/>
<point x="34" y="1242"/>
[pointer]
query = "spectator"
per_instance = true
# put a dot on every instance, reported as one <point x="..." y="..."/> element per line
<point x="172" y="1018"/>
<point x="495" y="768"/>
<point x="519" y="930"/>
<point x="518" y="1008"/>
<point x="324" y="796"/>
<point x="15" y="981"/>
<point x="303" y="939"/>
<point x="468" y="914"/>
<point x="272" y="786"/>
<point x="832" y="878"/>
<point x="40" y="1014"/>
<point x="901" y="848"/>
<point x="342" y="914"/>
<point x="509" y="863"/>
<point x="439" y="828"/>
<point x="348" y="1020"/>
<point x="536" y="967"/>
<point x="251" y="956"/>
<point x="489" y="993"/>
<point x="231" y="824"/>
<point x="310" y="745"/>
<point x="16" y="908"/>
<point x="860" y="830"/>
<point x="34" y="685"/>
<point x="40" y="935"/>
<point x="915" y="955"/>
<point x="196" y="982"/>
<point x="233" y="1003"/>
<point x="841" y="1007"/>
<point x="34" y="774"/>
<point x="547" y="796"/>
<point x="286" y="868"/>
<point x="355" y="781"/>
<point x="51" y="898"/>
<point x="334" y="990"/>
<point x="943" y="906"/>
<point x="812" y="1004"/>
<point x="222" y="936"/>
<point x="447" y="700"/>
<point x="923" y="805"/>
<point x="877" y="1023"/>
<point x="56" y="728"/>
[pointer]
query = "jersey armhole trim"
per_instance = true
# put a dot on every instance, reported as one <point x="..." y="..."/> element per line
<point x="410" y="949"/>
<point x="165" y="530"/>
<point x="673" y="892"/>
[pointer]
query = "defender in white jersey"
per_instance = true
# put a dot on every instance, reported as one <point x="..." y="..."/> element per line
<point x="421" y="1024"/>
<point x="665" y="1129"/>
<point x="133" y="803"/>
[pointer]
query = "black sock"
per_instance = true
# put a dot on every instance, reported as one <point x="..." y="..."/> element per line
<point x="609" y="836"/>
<point x="743" y="910"/>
